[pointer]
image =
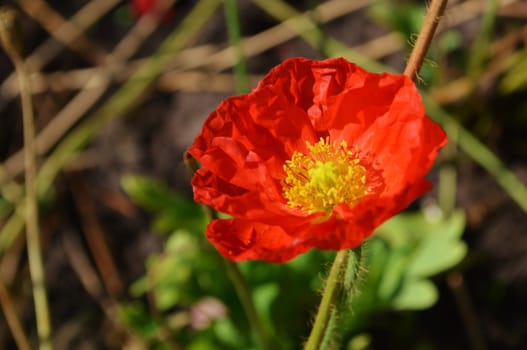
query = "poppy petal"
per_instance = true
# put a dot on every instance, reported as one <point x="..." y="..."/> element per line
<point x="240" y="240"/>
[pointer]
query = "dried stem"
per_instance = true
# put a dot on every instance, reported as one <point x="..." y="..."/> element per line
<point x="95" y="237"/>
<point x="52" y="21"/>
<point x="12" y="319"/>
<point x="466" y="308"/>
<point x="10" y="35"/>
<point x="437" y="7"/>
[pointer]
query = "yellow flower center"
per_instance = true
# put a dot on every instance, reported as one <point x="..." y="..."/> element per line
<point x="329" y="175"/>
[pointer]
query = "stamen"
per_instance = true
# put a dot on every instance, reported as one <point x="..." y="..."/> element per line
<point x="329" y="175"/>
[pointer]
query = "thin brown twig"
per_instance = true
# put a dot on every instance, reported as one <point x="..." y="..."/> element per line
<point x="11" y="259"/>
<point x="433" y="16"/>
<point x="88" y="277"/>
<point x="175" y="80"/>
<point x="12" y="319"/>
<point x="468" y="315"/>
<point x="95" y="237"/>
<point x="82" y="266"/>
<point x="72" y="36"/>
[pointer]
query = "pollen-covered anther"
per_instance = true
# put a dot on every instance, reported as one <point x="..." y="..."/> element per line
<point x="328" y="175"/>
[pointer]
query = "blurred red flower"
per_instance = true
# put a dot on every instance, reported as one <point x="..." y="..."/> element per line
<point x="141" y="7"/>
<point x="317" y="156"/>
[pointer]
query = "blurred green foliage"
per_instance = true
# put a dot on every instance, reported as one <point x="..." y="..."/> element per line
<point x="406" y="252"/>
<point x="405" y="18"/>
<point x="171" y="210"/>
<point x="402" y="257"/>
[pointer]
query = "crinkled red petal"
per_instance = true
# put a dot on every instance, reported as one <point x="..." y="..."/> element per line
<point x="310" y="84"/>
<point x="239" y="202"/>
<point x="249" y="132"/>
<point x="239" y="240"/>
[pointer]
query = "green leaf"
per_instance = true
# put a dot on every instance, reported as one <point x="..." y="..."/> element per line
<point x="227" y="333"/>
<point x="436" y="255"/>
<point x="440" y="248"/>
<point x="170" y="274"/>
<point x="392" y="275"/>
<point x="450" y="40"/>
<point x="5" y="207"/>
<point x="173" y="211"/>
<point x="264" y="296"/>
<point x="359" y="342"/>
<point x="415" y="249"/>
<point x="415" y="295"/>
<point x="434" y="246"/>
<point x="172" y="271"/>
<point x="515" y="78"/>
<point x="137" y="318"/>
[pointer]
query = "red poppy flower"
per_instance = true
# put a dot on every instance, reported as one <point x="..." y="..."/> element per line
<point x="317" y="156"/>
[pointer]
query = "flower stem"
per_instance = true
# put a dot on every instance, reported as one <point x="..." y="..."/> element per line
<point x="328" y="311"/>
<point x="238" y="280"/>
<point x="435" y="11"/>
<point x="329" y="300"/>
<point x="244" y="294"/>
<point x="10" y="36"/>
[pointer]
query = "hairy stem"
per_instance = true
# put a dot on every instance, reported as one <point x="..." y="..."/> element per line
<point x="329" y="300"/>
<point x="435" y="11"/>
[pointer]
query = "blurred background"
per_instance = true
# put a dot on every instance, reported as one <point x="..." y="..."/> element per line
<point x="121" y="88"/>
